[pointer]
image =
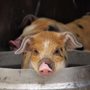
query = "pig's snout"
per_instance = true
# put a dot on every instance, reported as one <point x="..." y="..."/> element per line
<point x="46" y="68"/>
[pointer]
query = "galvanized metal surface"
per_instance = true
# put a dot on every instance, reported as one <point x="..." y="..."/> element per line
<point x="68" y="78"/>
<point x="9" y="59"/>
<point x="71" y="78"/>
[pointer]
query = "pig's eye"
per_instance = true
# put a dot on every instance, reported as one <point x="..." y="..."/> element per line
<point x="58" y="51"/>
<point x="35" y="52"/>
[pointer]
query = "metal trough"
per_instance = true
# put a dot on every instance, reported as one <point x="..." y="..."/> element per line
<point x="74" y="77"/>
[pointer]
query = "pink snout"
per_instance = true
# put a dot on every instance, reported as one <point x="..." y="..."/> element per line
<point x="44" y="69"/>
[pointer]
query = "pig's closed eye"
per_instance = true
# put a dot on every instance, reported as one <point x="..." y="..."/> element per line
<point x="36" y="52"/>
<point x="58" y="51"/>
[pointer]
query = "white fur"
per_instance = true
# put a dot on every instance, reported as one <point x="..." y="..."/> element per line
<point x="28" y="29"/>
<point x="45" y="49"/>
<point x="60" y="65"/>
<point x="22" y="47"/>
<point x="46" y="44"/>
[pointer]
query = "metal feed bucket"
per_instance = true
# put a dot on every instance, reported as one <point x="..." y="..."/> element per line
<point x="70" y="78"/>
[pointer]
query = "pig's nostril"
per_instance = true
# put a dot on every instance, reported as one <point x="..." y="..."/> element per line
<point x="49" y="71"/>
<point x="41" y="71"/>
<point x="45" y="71"/>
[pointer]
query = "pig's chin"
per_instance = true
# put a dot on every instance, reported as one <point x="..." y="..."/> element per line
<point x="45" y="70"/>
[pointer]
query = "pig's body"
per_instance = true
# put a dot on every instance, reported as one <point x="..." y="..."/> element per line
<point x="80" y="28"/>
<point x="45" y="43"/>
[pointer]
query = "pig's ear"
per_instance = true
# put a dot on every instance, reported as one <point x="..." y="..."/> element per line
<point x="71" y="41"/>
<point x="27" y="21"/>
<point x="23" y="45"/>
<point x="14" y="44"/>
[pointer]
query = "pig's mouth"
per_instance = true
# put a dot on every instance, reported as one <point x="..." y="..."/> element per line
<point x="46" y="69"/>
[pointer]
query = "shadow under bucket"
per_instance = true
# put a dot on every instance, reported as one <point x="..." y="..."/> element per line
<point x="74" y="77"/>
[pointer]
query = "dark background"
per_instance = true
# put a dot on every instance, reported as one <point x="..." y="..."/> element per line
<point x="13" y="11"/>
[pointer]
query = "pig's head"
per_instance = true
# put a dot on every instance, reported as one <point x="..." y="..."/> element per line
<point x="46" y="51"/>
